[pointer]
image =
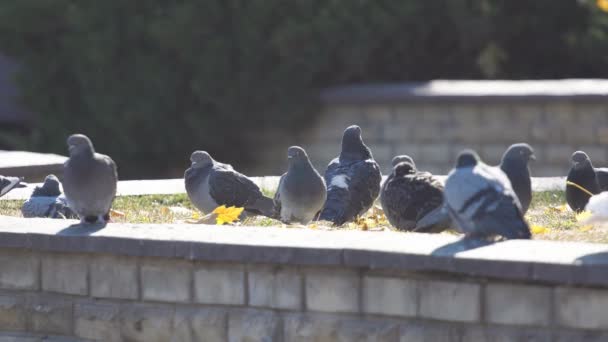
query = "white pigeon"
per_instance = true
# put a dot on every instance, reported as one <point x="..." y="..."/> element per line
<point x="598" y="207"/>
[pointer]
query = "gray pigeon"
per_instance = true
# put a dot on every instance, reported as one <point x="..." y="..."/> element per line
<point x="47" y="201"/>
<point x="9" y="183"/>
<point x="582" y="173"/>
<point x="481" y="202"/>
<point x="301" y="192"/>
<point x="514" y="164"/>
<point x="408" y="195"/>
<point x="353" y="180"/>
<point x="210" y="184"/>
<point x="89" y="181"/>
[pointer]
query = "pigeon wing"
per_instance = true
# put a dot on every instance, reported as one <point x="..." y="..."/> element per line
<point x="110" y="169"/>
<point x="396" y="202"/>
<point x="504" y="218"/>
<point x="464" y="192"/>
<point x="277" y="195"/>
<point x="365" y="178"/>
<point x="407" y="199"/>
<point x="602" y="178"/>
<point x="8" y="183"/>
<point x="334" y="168"/>
<point x="482" y="203"/>
<point x="230" y="188"/>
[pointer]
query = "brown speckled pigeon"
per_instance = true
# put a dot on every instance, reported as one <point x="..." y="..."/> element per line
<point x="408" y="195"/>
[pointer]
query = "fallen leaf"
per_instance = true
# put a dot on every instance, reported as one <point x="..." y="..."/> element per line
<point x="536" y="229"/>
<point x="560" y="208"/>
<point x="116" y="213"/>
<point x="603" y="5"/>
<point x="227" y="214"/>
<point x="207" y="219"/>
<point x="585" y="228"/>
<point x="583" y="216"/>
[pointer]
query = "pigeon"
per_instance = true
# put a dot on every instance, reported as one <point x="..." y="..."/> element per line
<point x="353" y="180"/>
<point x="514" y="164"/>
<point x="9" y="183"/>
<point x="401" y="158"/>
<point x="302" y="191"/>
<point x="210" y="184"/>
<point x="598" y="207"/>
<point x="583" y="181"/>
<point x="481" y="202"/>
<point x="47" y="201"/>
<point x="89" y="181"/>
<point x="408" y="195"/>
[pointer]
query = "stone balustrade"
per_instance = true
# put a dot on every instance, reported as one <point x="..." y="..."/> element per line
<point x="433" y="121"/>
<point x="210" y="283"/>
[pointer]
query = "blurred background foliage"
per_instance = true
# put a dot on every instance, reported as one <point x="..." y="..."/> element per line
<point x="151" y="80"/>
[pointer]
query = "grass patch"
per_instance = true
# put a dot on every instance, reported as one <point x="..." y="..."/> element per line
<point x="548" y="216"/>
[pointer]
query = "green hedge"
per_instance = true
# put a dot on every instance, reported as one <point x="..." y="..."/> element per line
<point x="151" y="80"/>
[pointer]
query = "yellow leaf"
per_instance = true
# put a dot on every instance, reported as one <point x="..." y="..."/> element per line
<point x="313" y="226"/>
<point x="539" y="229"/>
<point x="116" y="213"/>
<point x="195" y="215"/>
<point x="227" y="215"/>
<point x="585" y="228"/>
<point x="164" y="211"/>
<point x="559" y="209"/>
<point x="603" y="5"/>
<point x="583" y="216"/>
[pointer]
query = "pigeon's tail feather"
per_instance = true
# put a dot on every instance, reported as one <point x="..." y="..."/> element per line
<point x="21" y="183"/>
<point x="9" y="183"/>
<point x="263" y="206"/>
<point x="334" y="207"/>
<point x="435" y="221"/>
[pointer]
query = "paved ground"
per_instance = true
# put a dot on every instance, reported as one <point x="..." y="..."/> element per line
<point x="176" y="186"/>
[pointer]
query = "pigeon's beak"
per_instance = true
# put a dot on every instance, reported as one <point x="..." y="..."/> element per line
<point x="532" y="157"/>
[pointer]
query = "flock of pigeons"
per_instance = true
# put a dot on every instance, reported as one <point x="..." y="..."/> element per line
<point x="479" y="200"/>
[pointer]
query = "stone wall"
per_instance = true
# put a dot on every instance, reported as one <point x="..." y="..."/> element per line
<point x="433" y="121"/>
<point x="209" y="283"/>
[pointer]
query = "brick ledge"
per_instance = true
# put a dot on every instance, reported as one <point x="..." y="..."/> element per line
<point x="568" y="263"/>
<point x="469" y="91"/>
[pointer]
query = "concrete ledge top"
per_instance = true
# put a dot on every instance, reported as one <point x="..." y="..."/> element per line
<point x="31" y="165"/>
<point x="176" y="186"/>
<point x="468" y="90"/>
<point x="528" y="261"/>
<point x="19" y="159"/>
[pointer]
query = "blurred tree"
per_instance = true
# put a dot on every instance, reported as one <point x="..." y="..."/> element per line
<point x="151" y="80"/>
